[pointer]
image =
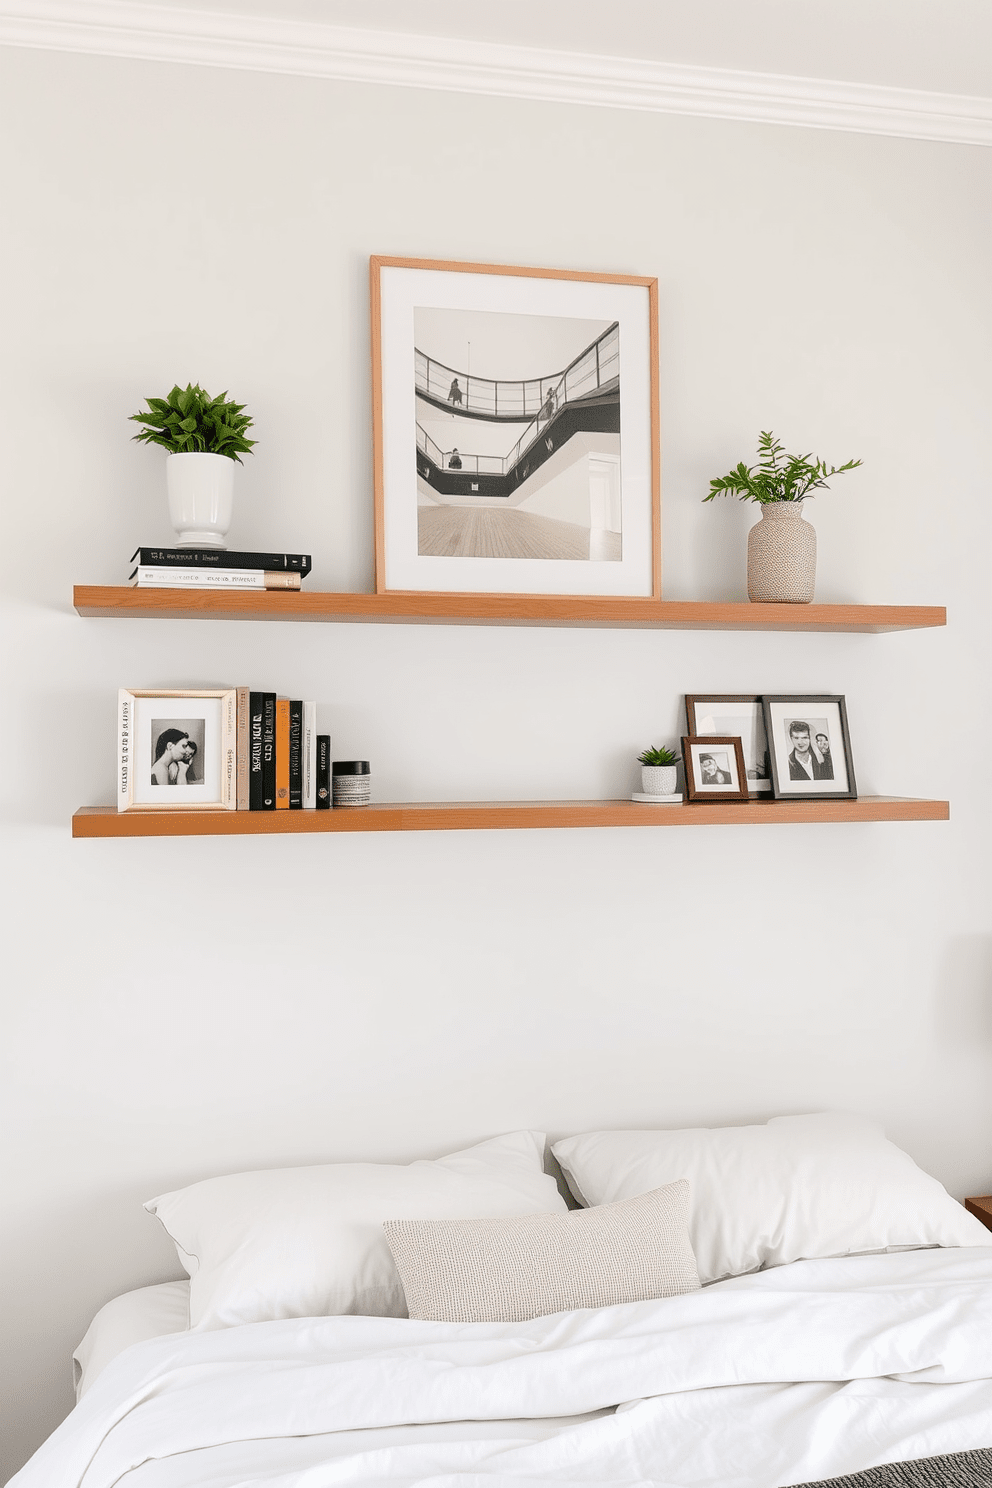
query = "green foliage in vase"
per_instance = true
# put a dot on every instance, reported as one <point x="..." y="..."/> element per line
<point x="189" y="421"/>
<point x="658" y="756"/>
<point x="778" y="476"/>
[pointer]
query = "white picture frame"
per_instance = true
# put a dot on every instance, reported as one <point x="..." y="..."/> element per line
<point x="177" y="750"/>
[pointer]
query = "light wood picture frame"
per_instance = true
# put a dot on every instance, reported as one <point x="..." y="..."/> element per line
<point x="177" y="750"/>
<point x="515" y="420"/>
<point x="714" y="768"/>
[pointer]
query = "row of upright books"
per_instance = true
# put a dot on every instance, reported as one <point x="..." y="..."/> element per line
<point x="283" y="764"/>
<point x="216" y="568"/>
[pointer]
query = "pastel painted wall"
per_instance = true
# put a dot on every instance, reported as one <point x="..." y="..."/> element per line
<point x="177" y="1008"/>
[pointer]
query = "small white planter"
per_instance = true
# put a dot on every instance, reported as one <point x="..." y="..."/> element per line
<point x="201" y="497"/>
<point x="659" y="780"/>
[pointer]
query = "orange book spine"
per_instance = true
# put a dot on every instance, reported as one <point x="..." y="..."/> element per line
<point x="282" y="754"/>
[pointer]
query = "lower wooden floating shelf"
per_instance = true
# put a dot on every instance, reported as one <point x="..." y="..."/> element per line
<point x="475" y="816"/>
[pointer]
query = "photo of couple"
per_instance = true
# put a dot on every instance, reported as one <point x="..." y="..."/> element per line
<point x="175" y="745"/>
<point x="810" y="757"/>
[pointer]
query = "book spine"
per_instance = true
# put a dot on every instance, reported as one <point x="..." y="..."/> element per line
<point x="268" y="751"/>
<point x="256" y="706"/>
<point x="323" y="772"/>
<point x="125" y="749"/>
<point x="212" y="578"/>
<point x="309" y="756"/>
<point x="229" y="749"/>
<point x="243" y="747"/>
<point x="295" y="756"/>
<point x="282" y="754"/>
<point x="220" y="558"/>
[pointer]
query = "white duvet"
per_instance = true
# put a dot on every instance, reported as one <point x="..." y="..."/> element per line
<point x="800" y="1373"/>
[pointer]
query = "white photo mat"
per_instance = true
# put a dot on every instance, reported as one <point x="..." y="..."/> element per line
<point x="403" y="290"/>
<point x="208" y="717"/>
<point x="744" y="718"/>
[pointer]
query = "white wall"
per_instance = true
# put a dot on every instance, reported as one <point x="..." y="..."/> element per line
<point x="175" y="1008"/>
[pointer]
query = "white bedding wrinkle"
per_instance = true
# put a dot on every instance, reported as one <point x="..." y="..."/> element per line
<point x="799" y="1373"/>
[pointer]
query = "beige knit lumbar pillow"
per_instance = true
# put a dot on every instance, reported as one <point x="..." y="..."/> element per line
<point x="509" y="1270"/>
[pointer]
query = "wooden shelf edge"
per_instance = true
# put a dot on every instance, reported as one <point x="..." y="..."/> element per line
<point x="433" y="816"/>
<point x="110" y="602"/>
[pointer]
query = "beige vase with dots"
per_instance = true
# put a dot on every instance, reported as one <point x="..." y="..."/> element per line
<point x="781" y="556"/>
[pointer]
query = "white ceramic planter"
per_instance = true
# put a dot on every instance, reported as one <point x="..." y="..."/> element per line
<point x="781" y="556"/>
<point x="201" y="498"/>
<point x="659" y="780"/>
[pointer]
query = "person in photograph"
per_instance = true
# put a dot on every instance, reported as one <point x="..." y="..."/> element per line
<point x="455" y="394"/>
<point x="454" y="459"/>
<point x="548" y="409"/>
<point x="174" y="754"/>
<point x="803" y="763"/>
<point x="822" y="747"/>
<point x="711" y="773"/>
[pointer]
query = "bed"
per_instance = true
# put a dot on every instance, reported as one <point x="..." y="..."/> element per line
<point x="791" y="1369"/>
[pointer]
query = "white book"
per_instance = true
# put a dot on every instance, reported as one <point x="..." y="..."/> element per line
<point x="309" y="756"/>
<point x="146" y="577"/>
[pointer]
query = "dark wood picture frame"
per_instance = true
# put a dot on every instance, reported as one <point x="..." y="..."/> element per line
<point x="695" y="788"/>
<point x="783" y="785"/>
<point x="695" y="703"/>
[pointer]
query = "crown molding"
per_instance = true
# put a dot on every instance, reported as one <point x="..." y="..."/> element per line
<point x="160" y="33"/>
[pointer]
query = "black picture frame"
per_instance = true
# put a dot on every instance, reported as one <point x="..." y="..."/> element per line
<point x="825" y="717"/>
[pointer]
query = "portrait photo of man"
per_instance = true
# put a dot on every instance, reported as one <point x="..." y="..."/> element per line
<point x="804" y="763"/>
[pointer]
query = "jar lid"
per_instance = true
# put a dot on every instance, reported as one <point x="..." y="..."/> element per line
<point x="350" y="767"/>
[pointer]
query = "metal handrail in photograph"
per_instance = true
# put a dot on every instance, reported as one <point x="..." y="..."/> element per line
<point x="597" y="365"/>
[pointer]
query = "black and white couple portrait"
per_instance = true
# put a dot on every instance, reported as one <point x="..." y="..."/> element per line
<point x="176" y="744"/>
<point x="809" y="749"/>
<point x="714" y="768"/>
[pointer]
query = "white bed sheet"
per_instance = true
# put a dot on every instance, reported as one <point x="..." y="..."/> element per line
<point x="791" y="1375"/>
<point x="148" y="1312"/>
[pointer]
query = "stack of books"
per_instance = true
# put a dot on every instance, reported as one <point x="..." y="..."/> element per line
<point x="216" y="568"/>
<point x="282" y="763"/>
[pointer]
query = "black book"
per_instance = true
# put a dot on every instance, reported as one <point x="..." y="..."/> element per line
<point x="323" y="771"/>
<point x="221" y="558"/>
<point x="296" y="756"/>
<point x="268" y="751"/>
<point x="255" y="709"/>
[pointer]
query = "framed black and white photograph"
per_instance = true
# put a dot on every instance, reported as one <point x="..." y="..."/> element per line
<point x="177" y="750"/>
<point x="714" y="768"/>
<point x="740" y="714"/>
<point x="515" y="426"/>
<point x="810" y="747"/>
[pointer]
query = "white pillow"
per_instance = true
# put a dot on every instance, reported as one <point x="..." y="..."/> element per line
<point x="308" y="1242"/>
<point x="800" y="1188"/>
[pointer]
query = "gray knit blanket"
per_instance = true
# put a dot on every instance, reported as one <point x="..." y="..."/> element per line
<point x="957" y="1470"/>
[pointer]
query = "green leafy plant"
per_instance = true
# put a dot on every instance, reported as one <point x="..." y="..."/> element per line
<point x="189" y="421"/>
<point x="658" y="756"/>
<point x="778" y="476"/>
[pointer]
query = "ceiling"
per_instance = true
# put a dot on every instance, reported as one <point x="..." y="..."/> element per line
<point x="943" y="46"/>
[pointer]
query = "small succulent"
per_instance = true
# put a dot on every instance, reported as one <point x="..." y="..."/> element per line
<point x="658" y="756"/>
<point x="778" y="476"/>
<point x="189" y="421"/>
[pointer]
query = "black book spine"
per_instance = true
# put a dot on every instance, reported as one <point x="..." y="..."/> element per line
<point x="221" y="558"/>
<point x="323" y="771"/>
<point x="296" y="756"/>
<point x="268" y="751"/>
<point x="255" y="710"/>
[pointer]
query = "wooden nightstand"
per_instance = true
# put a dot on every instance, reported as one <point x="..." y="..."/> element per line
<point x="981" y="1209"/>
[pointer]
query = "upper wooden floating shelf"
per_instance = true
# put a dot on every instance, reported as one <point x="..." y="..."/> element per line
<point x="497" y="609"/>
<point x="474" y="816"/>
